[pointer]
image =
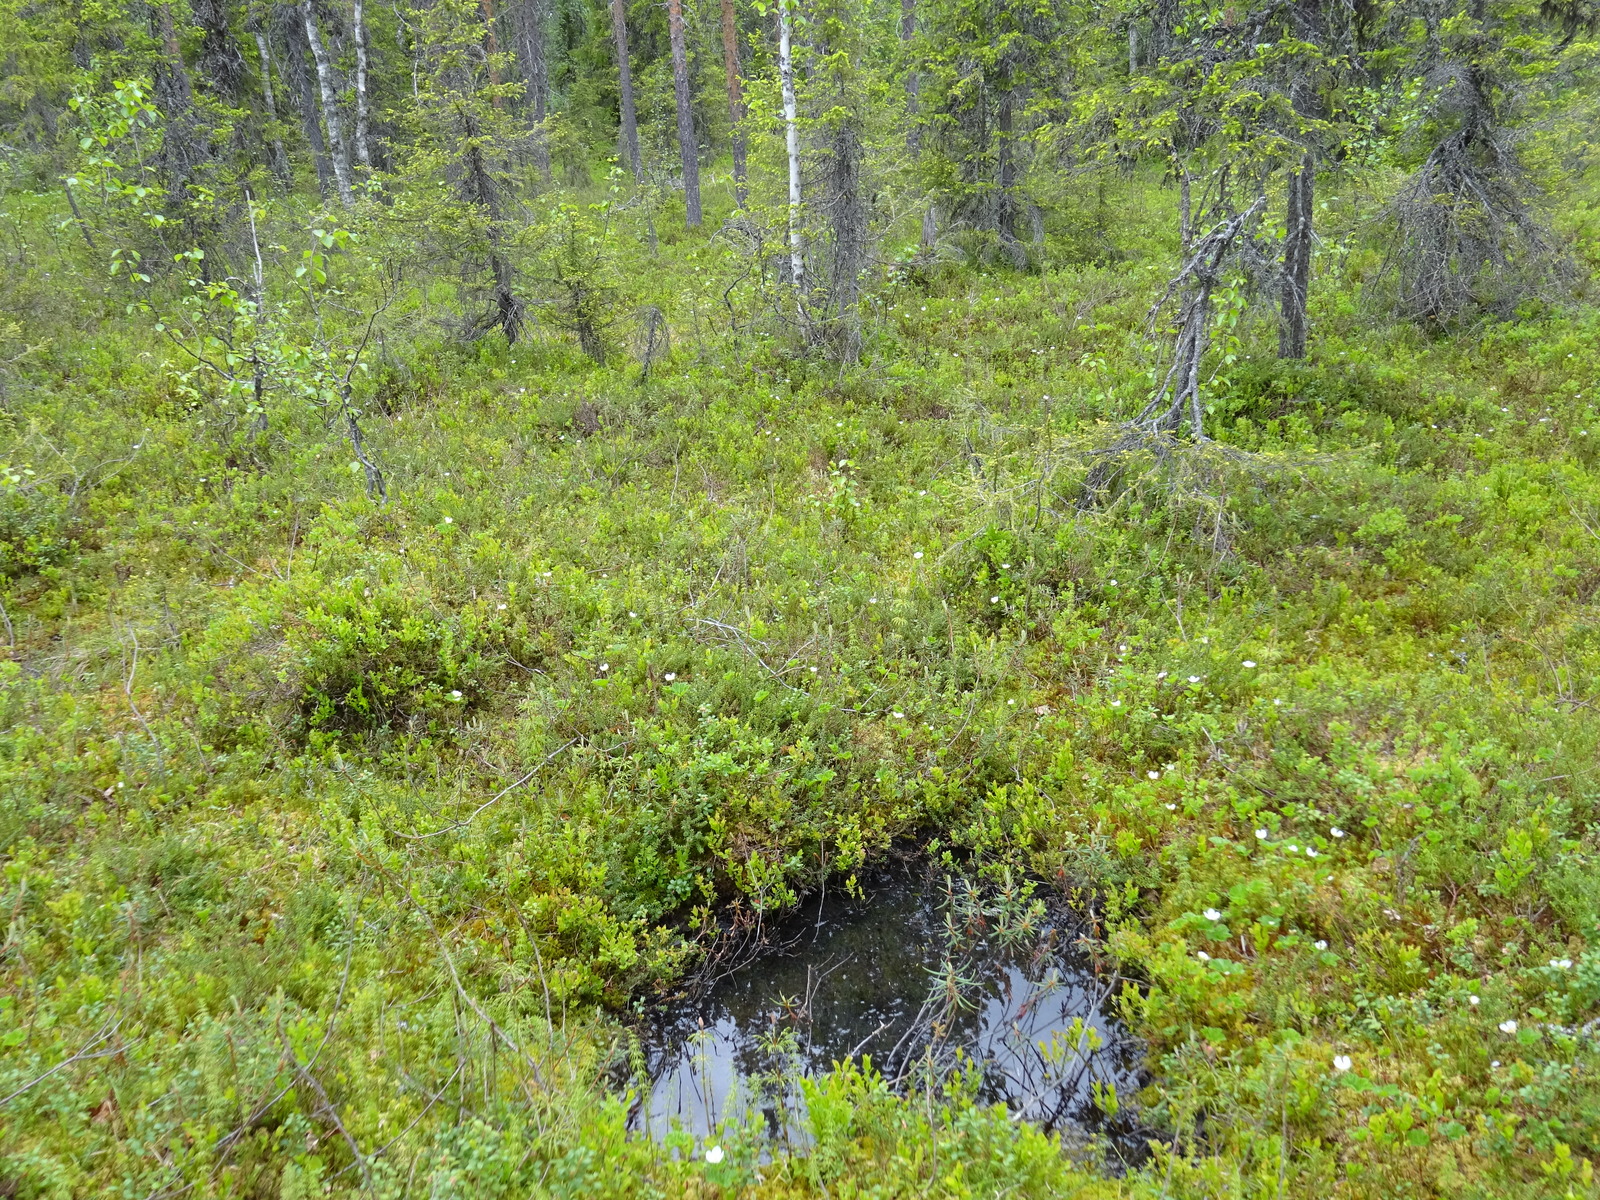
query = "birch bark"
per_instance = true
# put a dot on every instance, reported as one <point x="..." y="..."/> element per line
<point x="363" y="120"/>
<point x="280" y="157"/>
<point x="791" y="127"/>
<point x="337" y="151"/>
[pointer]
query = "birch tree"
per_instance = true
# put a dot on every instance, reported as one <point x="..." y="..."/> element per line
<point x="358" y="34"/>
<point x="291" y="33"/>
<point x="338" y="156"/>
<point x="791" y="134"/>
<point x="278" y="155"/>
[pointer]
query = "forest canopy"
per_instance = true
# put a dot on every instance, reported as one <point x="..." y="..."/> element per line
<point x="503" y="504"/>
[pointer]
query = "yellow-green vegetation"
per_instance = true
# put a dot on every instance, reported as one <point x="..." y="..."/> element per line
<point x="341" y="836"/>
<point x="391" y="708"/>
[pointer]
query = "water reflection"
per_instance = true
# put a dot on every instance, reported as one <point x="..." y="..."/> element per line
<point x="917" y="977"/>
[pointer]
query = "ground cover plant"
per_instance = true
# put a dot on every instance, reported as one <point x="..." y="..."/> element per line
<point x="480" y="533"/>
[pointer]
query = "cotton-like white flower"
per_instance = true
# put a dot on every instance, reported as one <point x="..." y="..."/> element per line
<point x="918" y="554"/>
<point x="1508" y="1026"/>
<point x="634" y="615"/>
<point x="1160" y="675"/>
<point x="1113" y="583"/>
<point x="1153" y="774"/>
<point x="1261" y="835"/>
<point x="1116" y="704"/>
<point x="872" y="600"/>
<point x="1248" y="663"/>
<point x="1212" y="914"/>
<point x="1472" y="1000"/>
<point x="1320" y="944"/>
<point x="449" y="520"/>
<point x="994" y="599"/>
<point x="1205" y="641"/>
<point x="900" y="715"/>
<point x="714" y="1155"/>
<point x="1292" y="848"/>
<point x="1005" y="566"/>
<point x="1561" y="964"/>
<point x="670" y="676"/>
<point x="1194" y="679"/>
<point x="605" y="666"/>
<point x="1342" y="1063"/>
<point x="502" y="608"/>
<point x="1337" y="832"/>
<point x="455" y="694"/>
<point x="1311" y="852"/>
<point x="1172" y="808"/>
<point x="1202" y="956"/>
<point x="1495" y="1065"/>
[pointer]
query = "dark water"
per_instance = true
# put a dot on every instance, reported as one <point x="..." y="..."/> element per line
<point x="914" y="977"/>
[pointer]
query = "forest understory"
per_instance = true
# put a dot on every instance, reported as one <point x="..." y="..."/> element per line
<point x="499" y="508"/>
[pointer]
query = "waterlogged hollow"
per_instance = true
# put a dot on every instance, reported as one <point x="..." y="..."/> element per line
<point x="920" y="974"/>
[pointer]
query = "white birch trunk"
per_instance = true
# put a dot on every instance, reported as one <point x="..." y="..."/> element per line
<point x="363" y="150"/>
<point x="330" y="106"/>
<point x="280" y="159"/>
<point x="791" y="125"/>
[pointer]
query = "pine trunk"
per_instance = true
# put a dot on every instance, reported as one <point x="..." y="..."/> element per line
<point x="183" y="148"/>
<point x="688" y="152"/>
<point x="630" y="123"/>
<point x="340" y="159"/>
<point x="537" y="69"/>
<point x="730" y="67"/>
<point x="221" y="65"/>
<point x="1006" y="178"/>
<point x="908" y="31"/>
<point x="1297" y="261"/>
<point x="491" y="52"/>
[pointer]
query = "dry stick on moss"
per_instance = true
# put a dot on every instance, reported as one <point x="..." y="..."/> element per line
<point x="455" y="976"/>
<point x="426" y="1109"/>
<point x="744" y="640"/>
<point x="127" y="690"/>
<point x="325" y="1106"/>
<point x="107" y="1031"/>
<point x="225" y="1144"/>
<point x="500" y="795"/>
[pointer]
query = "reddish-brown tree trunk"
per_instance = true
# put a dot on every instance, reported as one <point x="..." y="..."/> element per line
<point x="491" y="50"/>
<point x="730" y="65"/>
